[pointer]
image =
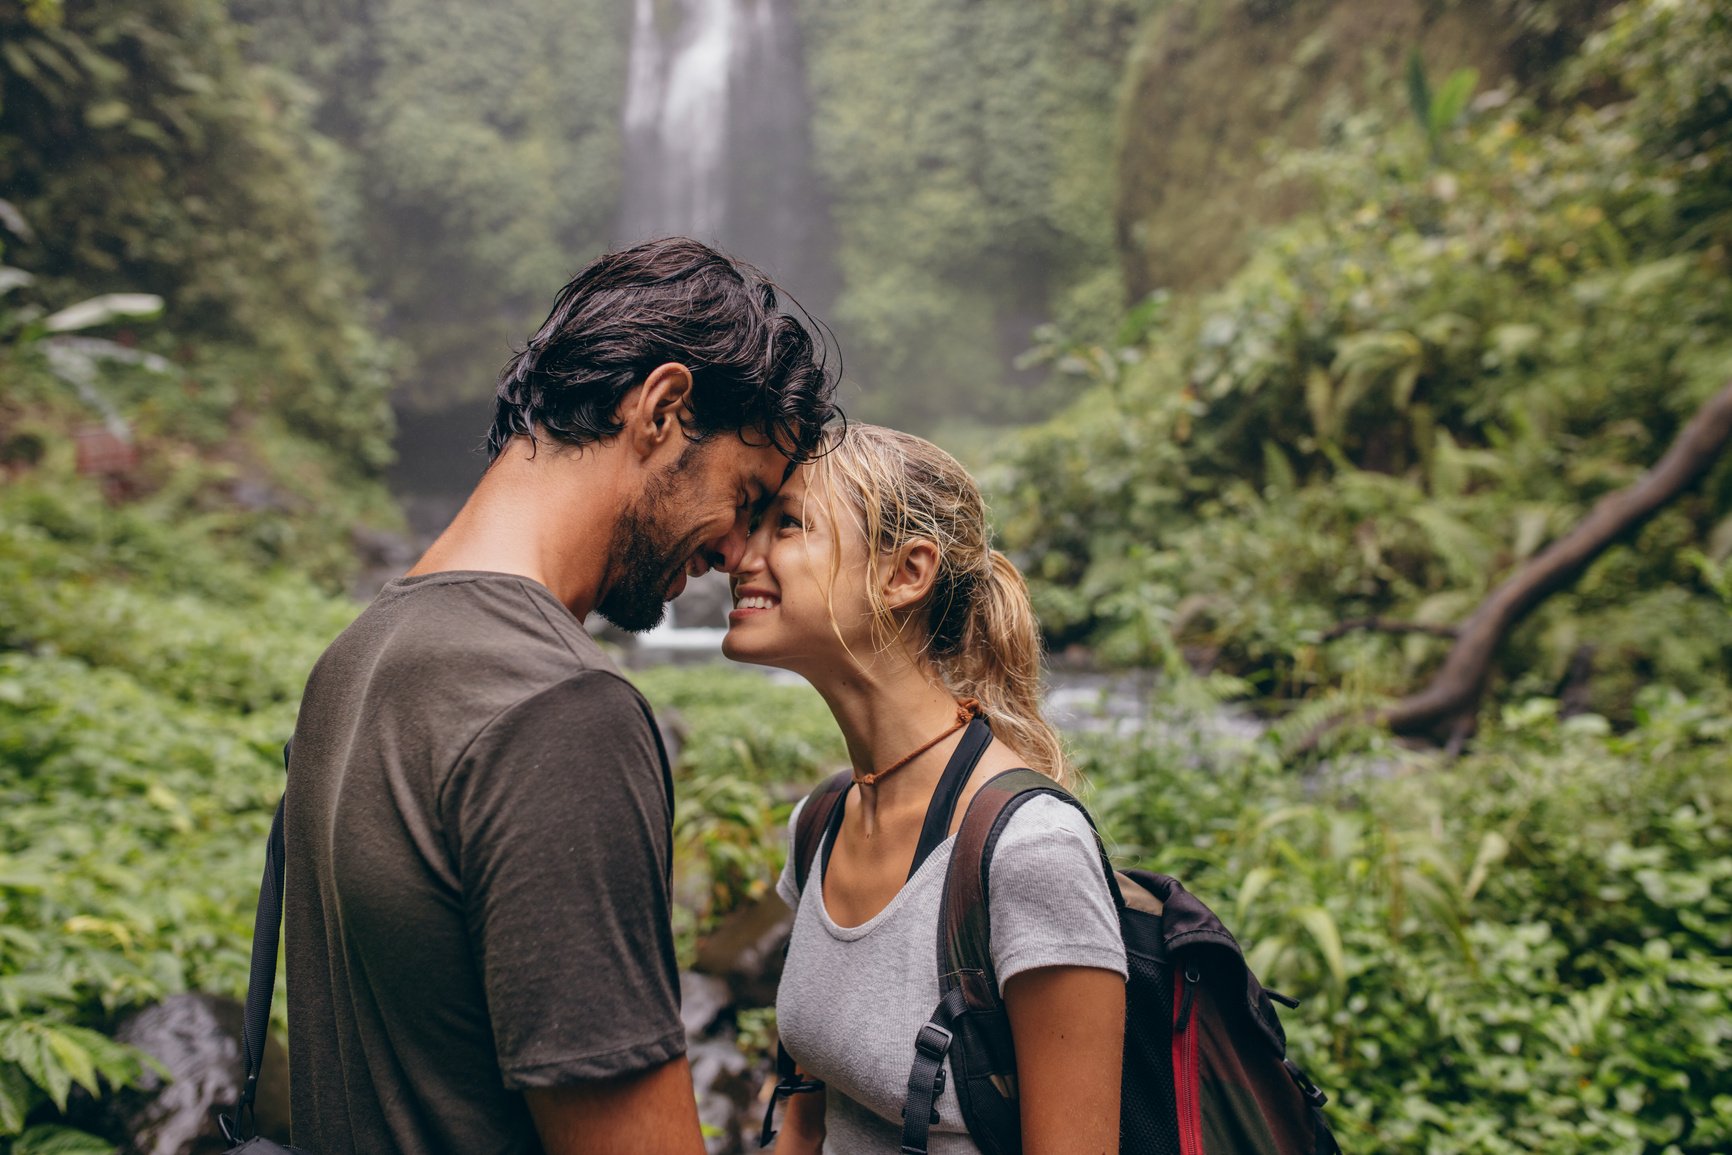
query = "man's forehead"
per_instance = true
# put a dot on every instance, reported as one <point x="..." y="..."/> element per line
<point x="767" y="465"/>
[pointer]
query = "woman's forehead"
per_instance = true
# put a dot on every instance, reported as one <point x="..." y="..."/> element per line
<point x="793" y="491"/>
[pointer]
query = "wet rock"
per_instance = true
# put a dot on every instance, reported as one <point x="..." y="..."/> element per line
<point x="198" y="1038"/>
<point x="727" y="1094"/>
<point x="745" y="950"/>
<point x="703" y="1000"/>
<point x="726" y="1081"/>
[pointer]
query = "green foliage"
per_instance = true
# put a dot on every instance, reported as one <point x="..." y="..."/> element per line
<point x="148" y="157"/>
<point x="1521" y="951"/>
<point x="1403" y="395"/>
<point x="474" y="161"/>
<point x="154" y="635"/>
<point x="749" y="748"/>
<point x="1438" y="113"/>
<point x="968" y="213"/>
<point x="148" y="677"/>
<point x="1214" y="88"/>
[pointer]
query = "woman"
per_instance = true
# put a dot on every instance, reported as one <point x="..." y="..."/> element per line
<point x="872" y="576"/>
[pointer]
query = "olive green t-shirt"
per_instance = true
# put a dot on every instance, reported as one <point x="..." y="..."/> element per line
<point x="477" y="891"/>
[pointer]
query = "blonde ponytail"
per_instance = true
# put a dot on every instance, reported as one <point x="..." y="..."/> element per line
<point x="977" y="628"/>
<point x="998" y="662"/>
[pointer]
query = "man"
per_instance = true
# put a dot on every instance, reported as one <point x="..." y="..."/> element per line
<point x="479" y="952"/>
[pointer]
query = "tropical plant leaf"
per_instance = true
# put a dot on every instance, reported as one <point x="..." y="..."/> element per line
<point x="17" y="1096"/>
<point x="53" y="1139"/>
<point x="1320" y="924"/>
<point x="103" y="310"/>
<point x="1451" y="100"/>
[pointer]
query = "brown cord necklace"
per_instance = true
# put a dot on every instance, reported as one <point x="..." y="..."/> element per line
<point x="967" y="709"/>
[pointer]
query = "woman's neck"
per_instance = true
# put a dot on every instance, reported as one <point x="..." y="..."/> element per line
<point x="885" y="713"/>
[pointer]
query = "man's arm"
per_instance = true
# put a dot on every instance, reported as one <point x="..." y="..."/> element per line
<point x="655" y="1111"/>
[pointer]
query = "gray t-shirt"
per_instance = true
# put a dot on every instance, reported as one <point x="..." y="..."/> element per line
<point x="477" y="891"/>
<point x="853" y="998"/>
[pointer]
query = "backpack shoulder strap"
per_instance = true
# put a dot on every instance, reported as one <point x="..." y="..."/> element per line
<point x="965" y="931"/>
<point x="262" y="979"/>
<point x="969" y="1023"/>
<point x="823" y="809"/>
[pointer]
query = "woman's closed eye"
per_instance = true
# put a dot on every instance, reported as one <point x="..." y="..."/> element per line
<point x="787" y="521"/>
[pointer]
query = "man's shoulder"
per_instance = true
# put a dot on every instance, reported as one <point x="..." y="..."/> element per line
<point x="484" y="623"/>
<point x="452" y="651"/>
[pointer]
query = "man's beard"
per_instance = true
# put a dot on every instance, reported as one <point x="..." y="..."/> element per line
<point x="646" y="557"/>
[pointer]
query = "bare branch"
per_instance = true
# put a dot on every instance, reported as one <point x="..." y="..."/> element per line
<point x="1455" y="690"/>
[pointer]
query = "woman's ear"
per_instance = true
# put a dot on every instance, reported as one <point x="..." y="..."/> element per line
<point x="909" y="574"/>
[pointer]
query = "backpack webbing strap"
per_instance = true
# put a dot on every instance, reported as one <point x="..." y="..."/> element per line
<point x="965" y="972"/>
<point x="936" y="827"/>
<point x="926" y="1077"/>
<point x="262" y="981"/>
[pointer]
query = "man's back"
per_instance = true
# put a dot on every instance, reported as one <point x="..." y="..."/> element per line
<point x="478" y="831"/>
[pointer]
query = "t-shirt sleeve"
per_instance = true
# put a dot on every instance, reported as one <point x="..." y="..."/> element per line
<point x="785" y="888"/>
<point x="1050" y="905"/>
<point x="561" y="814"/>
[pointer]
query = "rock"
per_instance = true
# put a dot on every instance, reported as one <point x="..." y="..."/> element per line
<point x="745" y="950"/>
<point x="727" y="1088"/>
<point x="198" y="1038"/>
<point x="726" y="1082"/>
<point x="703" y="999"/>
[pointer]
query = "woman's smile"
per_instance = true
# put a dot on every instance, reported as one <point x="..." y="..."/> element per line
<point x="748" y="601"/>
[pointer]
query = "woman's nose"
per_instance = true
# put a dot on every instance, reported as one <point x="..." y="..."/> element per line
<point x="750" y="557"/>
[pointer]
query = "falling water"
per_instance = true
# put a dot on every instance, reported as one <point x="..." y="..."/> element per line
<point x="717" y="141"/>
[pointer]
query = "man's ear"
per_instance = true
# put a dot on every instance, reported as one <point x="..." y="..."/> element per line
<point x="653" y="414"/>
<point x="909" y="573"/>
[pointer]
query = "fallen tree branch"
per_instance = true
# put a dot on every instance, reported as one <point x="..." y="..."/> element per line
<point x="1455" y="690"/>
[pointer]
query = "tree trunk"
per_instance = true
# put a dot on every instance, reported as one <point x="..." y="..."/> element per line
<point x="1455" y="690"/>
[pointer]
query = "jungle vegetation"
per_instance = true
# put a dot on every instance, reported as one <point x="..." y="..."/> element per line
<point x="1489" y="290"/>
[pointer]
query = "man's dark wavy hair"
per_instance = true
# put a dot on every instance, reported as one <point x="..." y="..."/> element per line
<point x="755" y="367"/>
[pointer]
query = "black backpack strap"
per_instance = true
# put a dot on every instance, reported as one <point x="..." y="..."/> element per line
<point x="970" y="1020"/>
<point x="822" y="811"/>
<point x="957" y="772"/>
<point x="262" y="981"/>
<point x="819" y="816"/>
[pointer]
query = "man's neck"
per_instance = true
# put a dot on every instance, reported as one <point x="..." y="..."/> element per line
<point x="547" y="517"/>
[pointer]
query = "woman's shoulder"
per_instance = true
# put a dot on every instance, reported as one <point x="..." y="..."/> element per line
<point x="1046" y="825"/>
<point x="1050" y="905"/>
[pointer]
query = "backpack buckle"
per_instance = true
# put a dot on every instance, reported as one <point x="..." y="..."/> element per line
<point x="933" y="1041"/>
<point x="1313" y="1094"/>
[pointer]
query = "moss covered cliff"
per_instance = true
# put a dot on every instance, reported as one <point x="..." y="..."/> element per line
<point x="1214" y="86"/>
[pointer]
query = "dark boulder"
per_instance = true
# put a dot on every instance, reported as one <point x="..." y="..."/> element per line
<point x="198" y="1038"/>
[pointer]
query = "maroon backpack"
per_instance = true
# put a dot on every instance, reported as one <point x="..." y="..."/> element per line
<point x="1206" y="1070"/>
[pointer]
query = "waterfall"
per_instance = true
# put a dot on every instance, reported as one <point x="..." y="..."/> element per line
<point x="717" y="144"/>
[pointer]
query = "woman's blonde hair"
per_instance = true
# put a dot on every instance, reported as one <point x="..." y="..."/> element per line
<point x="976" y="627"/>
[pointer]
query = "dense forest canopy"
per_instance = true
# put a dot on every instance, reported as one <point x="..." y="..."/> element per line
<point x="1338" y="312"/>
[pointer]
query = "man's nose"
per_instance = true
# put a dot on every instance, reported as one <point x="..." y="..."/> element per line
<point x="725" y="552"/>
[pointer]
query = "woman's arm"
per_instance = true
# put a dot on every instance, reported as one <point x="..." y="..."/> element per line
<point x="802" y="1130"/>
<point x="1069" y="1028"/>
